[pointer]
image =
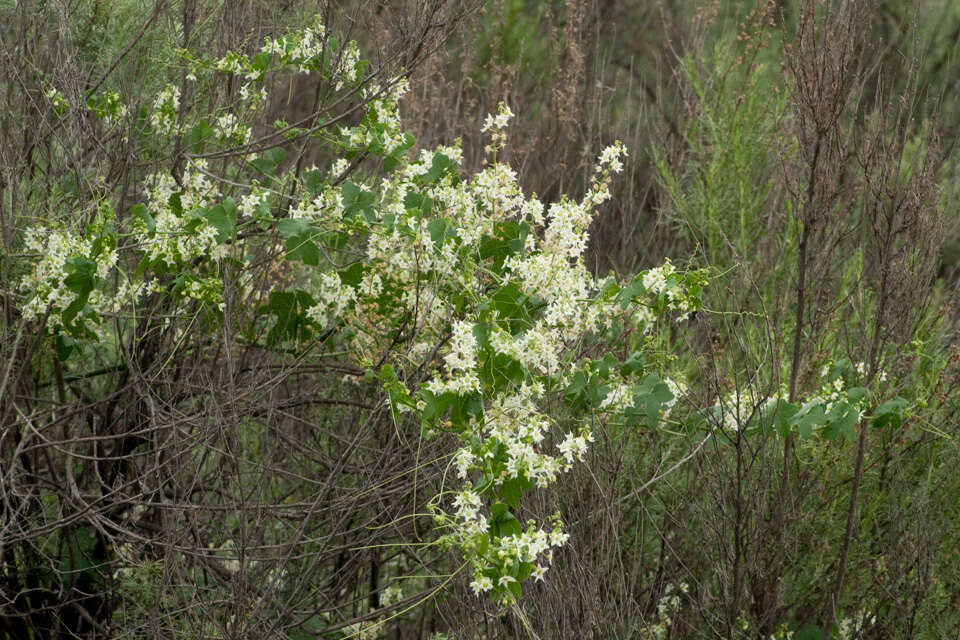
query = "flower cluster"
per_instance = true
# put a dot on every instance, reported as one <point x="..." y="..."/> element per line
<point x="235" y="64"/>
<point x="57" y="100"/>
<point x="667" y="610"/>
<point x="332" y="299"/>
<point x="230" y="129"/>
<point x="496" y="126"/>
<point x="110" y="107"/>
<point x="662" y="281"/>
<point x="65" y="259"/>
<point x="381" y="130"/>
<point x="300" y="47"/>
<point x="172" y="228"/>
<point x="612" y="157"/>
<point x="163" y="118"/>
<point x="832" y="411"/>
<point x="311" y="50"/>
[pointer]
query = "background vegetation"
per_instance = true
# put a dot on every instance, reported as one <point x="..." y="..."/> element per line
<point x="176" y="482"/>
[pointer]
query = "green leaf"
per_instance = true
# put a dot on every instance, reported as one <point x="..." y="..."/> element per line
<point x="356" y="200"/>
<point x="287" y="306"/>
<point x="195" y="220"/>
<point x="375" y="145"/>
<point x="218" y="218"/>
<point x="80" y="553"/>
<point x="576" y="390"/>
<point x="481" y="331"/>
<point x="399" y="396"/>
<point x="69" y="186"/>
<point x="598" y="393"/>
<point x="784" y="413"/>
<point x="352" y="275"/>
<point x="632" y="291"/>
<point x="810" y="417"/>
<point x="198" y="134"/>
<point x="440" y="165"/>
<point x="391" y="162"/>
<point x="503" y="522"/>
<point x="440" y="231"/>
<point x="269" y="161"/>
<point x="417" y="203"/>
<point x="847" y="425"/>
<point x="142" y="267"/>
<point x="649" y="399"/>
<point x="72" y="311"/>
<point x="856" y="394"/>
<point x="577" y="385"/>
<point x="290" y="227"/>
<point x="511" y="491"/>
<point x="890" y="413"/>
<point x="435" y="406"/>
<point x="139" y="212"/>
<point x="387" y="374"/>
<point x="315" y="182"/>
<point x="261" y="215"/>
<point x="515" y="309"/>
<point x="482" y="540"/>
<point x="499" y="371"/>
<point x="299" y="236"/>
<point x="398" y="156"/>
<point x="301" y="248"/>
<point x="261" y="61"/>
<point x="526" y="569"/>
<point x="508" y="239"/>
<point x="176" y="204"/>
<point x="809" y="632"/>
<point x="81" y="281"/>
<point x="304" y="299"/>
<point x="65" y="345"/>
<point x="632" y="365"/>
<point x="606" y="365"/>
<point x="431" y="410"/>
<point x="106" y="241"/>
<point x="462" y="408"/>
<point x="230" y="207"/>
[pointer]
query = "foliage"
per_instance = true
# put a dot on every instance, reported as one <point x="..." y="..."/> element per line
<point x="279" y="363"/>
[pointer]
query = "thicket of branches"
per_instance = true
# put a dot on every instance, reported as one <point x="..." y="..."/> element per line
<point x="238" y="467"/>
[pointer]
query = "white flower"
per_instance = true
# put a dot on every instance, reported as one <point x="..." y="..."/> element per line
<point x="464" y="461"/>
<point x="462" y="356"/>
<point x="618" y="398"/>
<point x="499" y="121"/>
<point x="390" y="595"/>
<point x="250" y="202"/>
<point x="338" y="168"/>
<point x="610" y="157"/>
<point x="558" y="538"/>
<point x="572" y="447"/>
<point x="481" y="584"/>
<point x="467" y="504"/>
<point x="333" y="298"/>
<point x="655" y="280"/>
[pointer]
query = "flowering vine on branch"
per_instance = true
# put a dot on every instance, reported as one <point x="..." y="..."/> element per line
<point x="468" y="299"/>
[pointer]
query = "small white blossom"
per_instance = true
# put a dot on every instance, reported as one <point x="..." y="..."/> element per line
<point x="481" y="585"/>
